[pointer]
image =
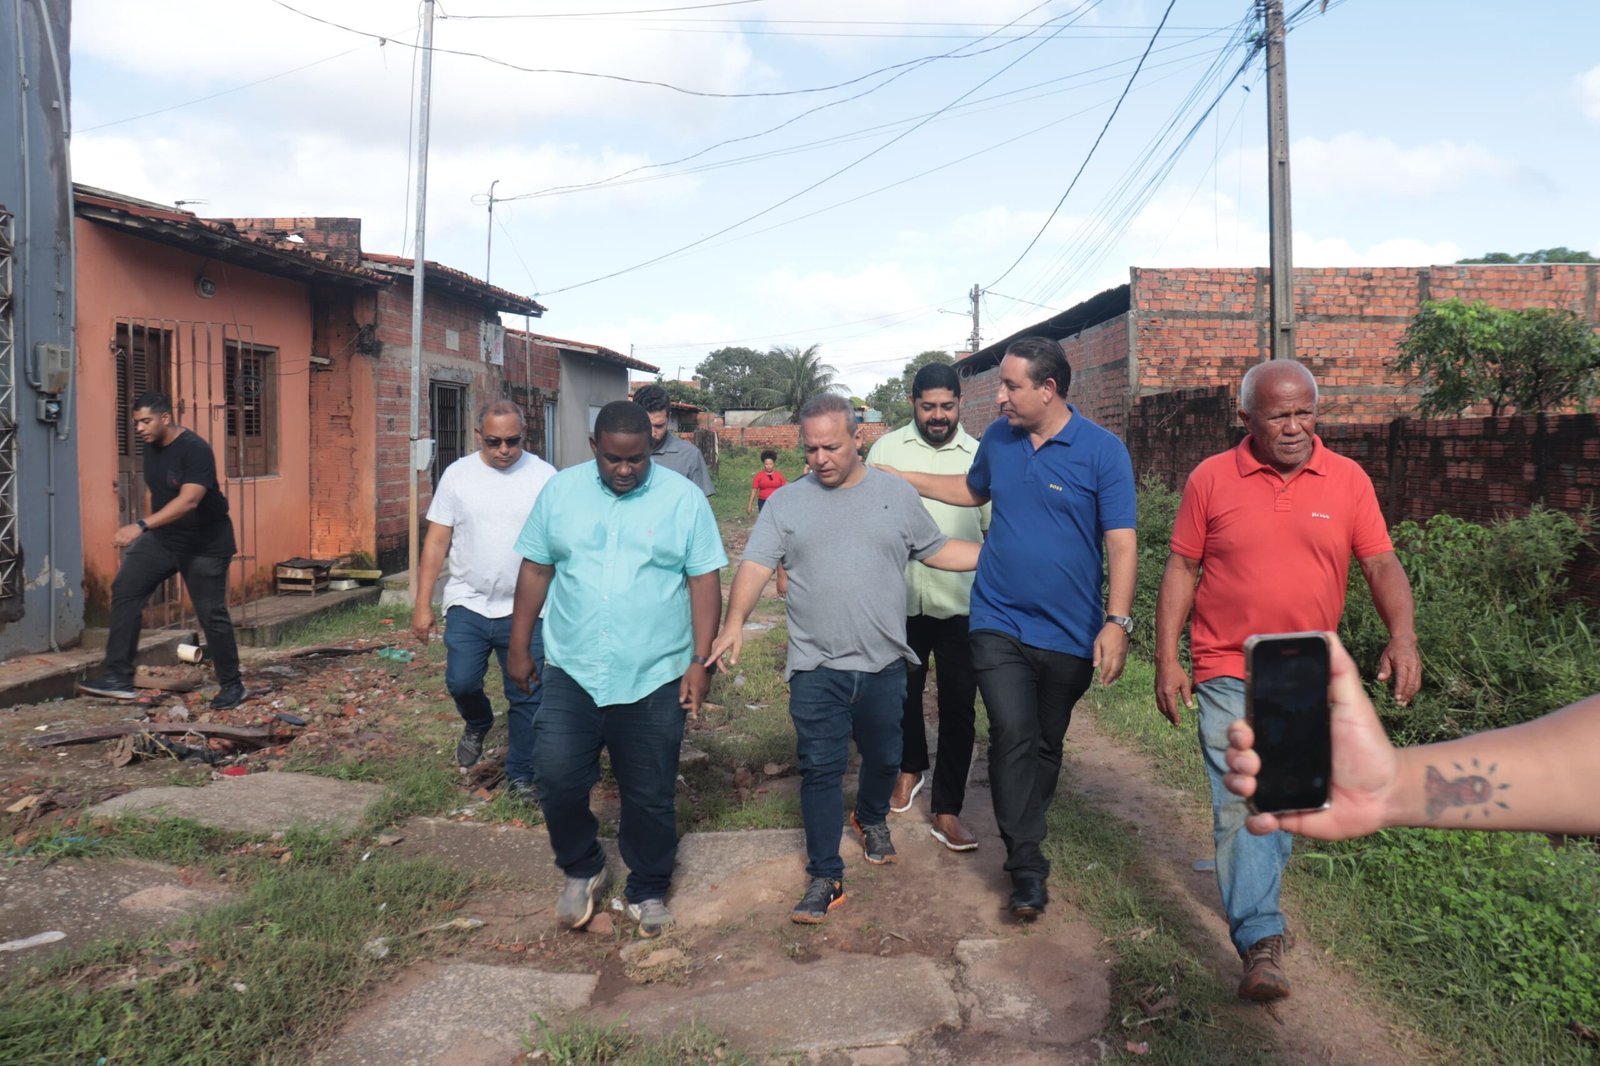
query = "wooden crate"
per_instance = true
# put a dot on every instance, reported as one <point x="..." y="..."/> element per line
<point x="301" y="580"/>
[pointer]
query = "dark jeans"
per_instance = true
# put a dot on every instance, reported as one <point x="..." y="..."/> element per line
<point x="469" y="637"/>
<point x="145" y="565"/>
<point x="1029" y="694"/>
<point x="945" y="639"/>
<point x="828" y="708"/>
<point x="643" y="739"/>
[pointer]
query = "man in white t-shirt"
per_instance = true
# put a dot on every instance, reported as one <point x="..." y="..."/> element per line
<point x="478" y="511"/>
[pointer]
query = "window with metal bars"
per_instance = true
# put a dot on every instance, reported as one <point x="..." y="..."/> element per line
<point x="447" y="415"/>
<point x="251" y="381"/>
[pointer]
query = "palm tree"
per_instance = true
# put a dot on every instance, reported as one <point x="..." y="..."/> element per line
<point x="797" y="375"/>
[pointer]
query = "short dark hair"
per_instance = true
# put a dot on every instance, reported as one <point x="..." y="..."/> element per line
<point x="501" y="406"/>
<point x="828" y="403"/>
<point x="621" y="416"/>
<point x="157" y="403"/>
<point x="768" y="453"/>
<point x="1046" y="361"/>
<point x="652" y="398"/>
<point x="936" y="376"/>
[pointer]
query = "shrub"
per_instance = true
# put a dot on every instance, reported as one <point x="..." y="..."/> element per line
<point x="1158" y="509"/>
<point x="1501" y="640"/>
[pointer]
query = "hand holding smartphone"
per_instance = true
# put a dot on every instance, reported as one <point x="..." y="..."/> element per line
<point x="1286" y="703"/>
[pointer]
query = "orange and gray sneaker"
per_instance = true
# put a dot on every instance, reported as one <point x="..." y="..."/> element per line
<point x="877" y="843"/>
<point x="1264" y="979"/>
<point x="822" y="895"/>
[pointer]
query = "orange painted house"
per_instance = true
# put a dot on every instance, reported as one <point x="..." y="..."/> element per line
<point x="225" y="323"/>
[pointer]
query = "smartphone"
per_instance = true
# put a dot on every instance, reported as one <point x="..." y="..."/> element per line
<point x="1286" y="703"/>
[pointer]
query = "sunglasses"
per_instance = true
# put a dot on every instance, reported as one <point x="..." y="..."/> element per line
<point x="499" y="442"/>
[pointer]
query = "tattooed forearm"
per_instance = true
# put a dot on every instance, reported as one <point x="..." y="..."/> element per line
<point x="1471" y="791"/>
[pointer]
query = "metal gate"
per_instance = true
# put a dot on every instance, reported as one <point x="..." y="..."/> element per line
<point x="11" y="575"/>
<point x="197" y="364"/>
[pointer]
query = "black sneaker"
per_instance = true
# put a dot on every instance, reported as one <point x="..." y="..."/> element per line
<point x="108" y="688"/>
<point x="231" y="695"/>
<point x="875" y="842"/>
<point x="522" y="790"/>
<point x="469" y="749"/>
<point x="822" y="895"/>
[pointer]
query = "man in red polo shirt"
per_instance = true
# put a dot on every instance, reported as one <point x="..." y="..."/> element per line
<point x="1272" y="523"/>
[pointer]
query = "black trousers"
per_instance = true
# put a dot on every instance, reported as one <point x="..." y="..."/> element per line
<point x="945" y="640"/>
<point x="1029" y="694"/>
<point x="145" y="565"/>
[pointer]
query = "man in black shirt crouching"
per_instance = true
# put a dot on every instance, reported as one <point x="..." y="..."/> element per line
<point x="186" y="530"/>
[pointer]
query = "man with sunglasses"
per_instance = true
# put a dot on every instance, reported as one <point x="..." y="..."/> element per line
<point x="477" y="513"/>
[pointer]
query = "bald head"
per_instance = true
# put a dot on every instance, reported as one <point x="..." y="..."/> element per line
<point x="1268" y="376"/>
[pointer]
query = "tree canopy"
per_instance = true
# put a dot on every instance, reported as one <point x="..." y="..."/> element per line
<point x="797" y="375"/>
<point x="730" y="376"/>
<point x="1543" y="255"/>
<point x="1530" y="360"/>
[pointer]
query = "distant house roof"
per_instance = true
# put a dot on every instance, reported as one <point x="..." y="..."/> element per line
<point x="1069" y="323"/>
<point x="593" y="351"/>
<point x="215" y="239"/>
<point x="458" y="283"/>
<point x="679" y="405"/>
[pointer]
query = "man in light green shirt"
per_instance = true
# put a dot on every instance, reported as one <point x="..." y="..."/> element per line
<point x="937" y="607"/>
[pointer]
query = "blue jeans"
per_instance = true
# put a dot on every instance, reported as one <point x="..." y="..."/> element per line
<point x="1249" y="868"/>
<point x="469" y="637"/>
<point x="643" y="739"/>
<point x="828" y="708"/>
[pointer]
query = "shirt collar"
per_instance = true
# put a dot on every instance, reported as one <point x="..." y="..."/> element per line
<point x="1067" y="434"/>
<point x="600" y="483"/>
<point x="1248" y="463"/>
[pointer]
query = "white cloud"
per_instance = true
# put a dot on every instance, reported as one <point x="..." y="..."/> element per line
<point x="1352" y="166"/>
<point x="1589" y="93"/>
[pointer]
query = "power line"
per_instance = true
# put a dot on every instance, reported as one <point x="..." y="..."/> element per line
<point x="1082" y="9"/>
<point x="602" y="14"/>
<point x="1098" y="138"/>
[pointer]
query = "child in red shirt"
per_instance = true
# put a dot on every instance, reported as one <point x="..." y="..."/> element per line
<point x="768" y="480"/>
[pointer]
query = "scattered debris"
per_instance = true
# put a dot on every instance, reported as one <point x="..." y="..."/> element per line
<point x="257" y="734"/>
<point x="37" y="940"/>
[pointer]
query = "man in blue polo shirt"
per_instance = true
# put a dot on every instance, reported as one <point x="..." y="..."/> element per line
<point x="1060" y="486"/>
<point x="627" y="553"/>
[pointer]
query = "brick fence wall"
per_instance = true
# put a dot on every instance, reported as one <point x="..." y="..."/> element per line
<point x="783" y="437"/>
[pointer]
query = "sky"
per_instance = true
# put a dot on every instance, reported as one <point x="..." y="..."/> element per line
<point x="675" y="176"/>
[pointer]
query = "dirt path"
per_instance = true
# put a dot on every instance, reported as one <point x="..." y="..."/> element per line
<point x="1329" y="1019"/>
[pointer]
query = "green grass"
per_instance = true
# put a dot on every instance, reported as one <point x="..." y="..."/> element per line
<point x="1487" y="944"/>
<point x="348" y="623"/>
<point x="259" y="979"/>
<point x="735" y="468"/>
<point x="1097" y="860"/>
<point x="587" y="1044"/>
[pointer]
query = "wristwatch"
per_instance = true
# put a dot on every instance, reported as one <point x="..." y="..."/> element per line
<point x="1121" y="620"/>
<point x="702" y="660"/>
<point x="141" y="524"/>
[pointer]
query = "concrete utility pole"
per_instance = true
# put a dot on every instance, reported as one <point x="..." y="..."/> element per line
<point x="1282" y="249"/>
<point x="420" y="452"/>
<point x="976" y="294"/>
<point x="488" y="248"/>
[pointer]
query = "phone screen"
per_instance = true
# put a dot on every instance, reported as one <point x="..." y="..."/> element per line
<point x="1286" y="697"/>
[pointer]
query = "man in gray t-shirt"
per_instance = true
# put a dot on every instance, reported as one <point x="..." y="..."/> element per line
<point x="844" y="534"/>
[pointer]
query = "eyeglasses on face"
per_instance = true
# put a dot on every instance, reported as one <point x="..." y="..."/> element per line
<point x="500" y="442"/>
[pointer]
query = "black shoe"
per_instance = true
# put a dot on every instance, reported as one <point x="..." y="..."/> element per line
<point x="822" y="895"/>
<point x="108" y="688"/>
<point x="469" y="749"/>
<point x="876" y="844"/>
<point x="231" y="695"/>
<point x="522" y="790"/>
<point x="1028" y="896"/>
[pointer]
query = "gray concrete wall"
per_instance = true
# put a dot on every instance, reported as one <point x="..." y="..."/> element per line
<point x="585" y="383"/>
<point x="35" y="187"/>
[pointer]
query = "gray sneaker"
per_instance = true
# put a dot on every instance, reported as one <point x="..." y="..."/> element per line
<point x="652" y="916"/>
<point x="469" y="749"/>
<point x="876" y="844"/>
<point x="108" y="688"/>
<point x="576" y="905"/>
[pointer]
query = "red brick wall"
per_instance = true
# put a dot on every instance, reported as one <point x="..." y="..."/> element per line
<point x="1171" y="432"/>
<point x="786" y="436"/>
<point x="443" y="312"/>
<point x="340" y="238"/>
<point x="532" y="377"/>
<point x="1099" y="360"/>
<point x="1203" y="328"/>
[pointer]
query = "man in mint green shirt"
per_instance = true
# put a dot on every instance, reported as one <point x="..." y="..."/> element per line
<point x="626" y="553"/>
<point x="937" y="604"/>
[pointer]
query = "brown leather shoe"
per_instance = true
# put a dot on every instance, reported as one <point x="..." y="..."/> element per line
<point x="948" y="831"/>
<point x="1264" y="979"/>
<point x="906" y="787"/>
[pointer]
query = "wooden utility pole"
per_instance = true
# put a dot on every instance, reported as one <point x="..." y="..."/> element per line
<point x="421" y="452"/>
<point x="1282" y="239"/>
